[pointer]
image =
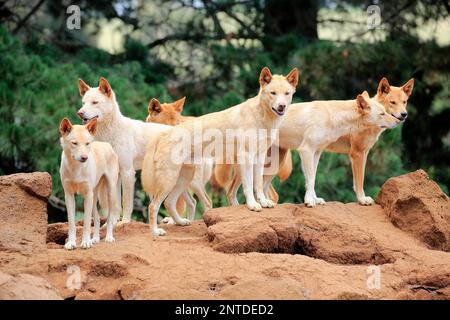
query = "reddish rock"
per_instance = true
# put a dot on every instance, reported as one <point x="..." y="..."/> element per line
<point x="26" y="287"/>
<point x="415" y="204"/>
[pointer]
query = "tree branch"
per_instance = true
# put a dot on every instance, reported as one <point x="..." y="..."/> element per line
<point x="25" y="19"/>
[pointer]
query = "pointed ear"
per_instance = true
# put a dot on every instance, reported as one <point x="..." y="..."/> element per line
<point x="362" y="104"/>
<point x="154" y="106"/>
<point x="104" y="87"/>
<point x="65" y="127"/>
<point x="178" y="105"/>
<point x="383" y="87"/>
<point x="365" y="94"/>
<point x="292" y="77"/>
<point x="265" y="77"/>
<point x="82" y="87"/>
<point x="408" y="87"/>
<point x="92" y="126"/>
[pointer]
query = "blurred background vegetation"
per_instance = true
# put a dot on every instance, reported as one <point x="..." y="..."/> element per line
<point x="212" y="52"/>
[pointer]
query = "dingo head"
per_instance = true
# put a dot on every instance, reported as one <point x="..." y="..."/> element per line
<point x="373" y="113"/>
<point x="77" y="139"/>
<point x="165" y="113"/>
<point x="394" y="99"/>
<point x="97" y="102"/>
<point x="277" y="91"/>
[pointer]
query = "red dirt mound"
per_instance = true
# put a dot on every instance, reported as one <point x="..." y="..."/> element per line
<point x="336" y="251"/>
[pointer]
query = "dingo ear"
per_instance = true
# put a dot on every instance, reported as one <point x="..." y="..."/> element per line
<point x="292" y="77"/>
<point x="361" y="102"/>
<point x="265" y="76"/>
<point x="365" y="94"/>
<point x="178" y="105"/>
<point x="104" y="87"/>
<point x="82" y="87"/>
<point x="383" y="87"/>
<point x="65" y="127"/>
<point x="92" y="126"/>
<point x="154" y="106"/>
<point x="408" y="87"/>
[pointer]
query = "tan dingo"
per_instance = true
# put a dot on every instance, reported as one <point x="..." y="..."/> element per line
<point x="85" y="166"/>
<point x="263" y="112"/>
<point x="170" y="114"/>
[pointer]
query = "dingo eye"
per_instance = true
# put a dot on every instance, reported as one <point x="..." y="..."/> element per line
<point x="74" y="143"/>
<point x="88" y="143"/>
<point x="94" y="102"/>
<point x="393" y="102"/>
<point x="382" y="114"/>
<point x="404" y="102"/>
<point x="286" y="93"/>
<point x="273" y="93"/>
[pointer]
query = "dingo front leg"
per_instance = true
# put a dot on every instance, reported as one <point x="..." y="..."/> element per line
<point x="86" y="241"/>
<point x="128" y="179"/>
<point x="96" y="217"/>
<point x="307" y="158"/>
<point x="317" y="155"/>
<point x="258" y="183"/>
<point x="358" y="161"/>
<point x="70" y="204"/>
<point x="246" y="171"/>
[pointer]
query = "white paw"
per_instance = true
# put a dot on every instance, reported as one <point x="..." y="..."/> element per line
<point x="86" y="243"/>
<point x="319" y="201"/>
<point x="366" y="201"/>
<point x="109" y="238"/>
<point x="254" y="206"/>
<point x="266" y="203"/>
<point x="95" y="239"/>
<point x="310" y="201"/>
<point x="158" y="232"/>
<point x="184" y="222"/>
<point x="70" y="245"/>
<point x="168" y="220"/>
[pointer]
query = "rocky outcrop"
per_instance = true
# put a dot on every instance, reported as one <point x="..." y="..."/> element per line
<point x="26" y="287"/>
<point x="335" y="251"/>
<point x="23" y="214"/>
<point x="415" y="204"/>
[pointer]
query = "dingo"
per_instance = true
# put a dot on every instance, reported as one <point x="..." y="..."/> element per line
<point x="170" y="114"/>
<point x="128" y="137"/>
<point x="85" y="165"/>
<point x="265" y="111"/>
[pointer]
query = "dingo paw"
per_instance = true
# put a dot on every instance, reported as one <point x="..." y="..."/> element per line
<point x="319" y="201"/>
<point x="95" y="239"/>
<point x="266" y="203"/>
<point x="158" y="232"/>
<point x="110" y="239"/>
<point x="168" y="220"/>
<point x="70" y="245"/>
<point x="310" y="201"/>
<point x="366" y="201"/>
<point x="86" y="244"/>
<point x="183" y="222"/>
<point x="254" y="206"/>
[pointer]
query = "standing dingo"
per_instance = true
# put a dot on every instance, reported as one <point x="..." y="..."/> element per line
<point x="261" y="113"/>
<point x="85" y="166"/>
<point x="128" y="137"/>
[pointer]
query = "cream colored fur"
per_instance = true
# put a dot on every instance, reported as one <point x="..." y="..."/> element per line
<point x="86" y="167"/>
